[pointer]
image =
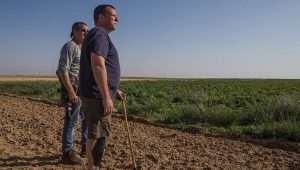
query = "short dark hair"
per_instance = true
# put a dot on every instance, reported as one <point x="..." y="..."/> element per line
<point x="100" y="9"/>
<point x="76" y="26"/>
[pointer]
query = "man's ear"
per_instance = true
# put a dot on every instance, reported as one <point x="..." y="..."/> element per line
<point x="101" y="16"/>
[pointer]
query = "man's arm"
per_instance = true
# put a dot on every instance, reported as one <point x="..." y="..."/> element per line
<point x="65" y="80"/>
<point x="62" y="72"/>
<point x="100" y="76"/>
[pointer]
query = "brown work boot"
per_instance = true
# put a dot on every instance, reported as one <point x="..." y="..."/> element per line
<point x="83" y="151"/>
<point x="71" y="158"/>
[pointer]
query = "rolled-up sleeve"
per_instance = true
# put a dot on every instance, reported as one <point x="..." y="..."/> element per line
<point x="65" y="60"/>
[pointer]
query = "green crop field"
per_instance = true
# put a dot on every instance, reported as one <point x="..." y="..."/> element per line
<point x="256" y="108"/>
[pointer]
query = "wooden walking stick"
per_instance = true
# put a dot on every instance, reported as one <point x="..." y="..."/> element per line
<point x="129" y="136"/>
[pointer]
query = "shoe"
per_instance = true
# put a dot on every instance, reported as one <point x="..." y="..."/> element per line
<point x="71" y="158"/>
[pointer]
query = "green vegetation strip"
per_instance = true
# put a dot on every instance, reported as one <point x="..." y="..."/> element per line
<point x="267" y="109"/>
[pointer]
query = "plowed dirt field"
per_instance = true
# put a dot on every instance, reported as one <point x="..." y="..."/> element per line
<point x="30" y="135"/>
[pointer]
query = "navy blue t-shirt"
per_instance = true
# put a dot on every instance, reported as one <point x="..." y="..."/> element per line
<point x="98" y="41"/>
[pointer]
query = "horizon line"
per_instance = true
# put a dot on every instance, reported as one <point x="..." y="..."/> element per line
<point x="161" y="77"/>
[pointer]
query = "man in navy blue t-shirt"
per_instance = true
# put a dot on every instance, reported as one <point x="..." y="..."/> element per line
<point x="99" y="81"/>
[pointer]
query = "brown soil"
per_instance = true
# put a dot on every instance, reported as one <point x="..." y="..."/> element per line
<point x="30" y="135"/>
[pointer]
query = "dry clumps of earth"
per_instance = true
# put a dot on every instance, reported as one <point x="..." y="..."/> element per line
<point x="30" y="138"/>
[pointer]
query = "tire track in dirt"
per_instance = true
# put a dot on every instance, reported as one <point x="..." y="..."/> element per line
<point x="30" y="138"/>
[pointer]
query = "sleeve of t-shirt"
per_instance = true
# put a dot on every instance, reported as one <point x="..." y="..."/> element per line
<point x="100" y="45"/>
<point x="65" y="60"/>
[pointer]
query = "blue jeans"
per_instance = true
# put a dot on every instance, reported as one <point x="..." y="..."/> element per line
<point x="71" y="117"/>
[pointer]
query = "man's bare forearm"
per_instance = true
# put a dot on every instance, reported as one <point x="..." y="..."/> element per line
<point x="65" y="79"/>
<point x="100" y="75"/>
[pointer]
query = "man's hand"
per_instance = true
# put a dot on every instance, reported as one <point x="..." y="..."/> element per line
<point x="73" y="98"/>
<point x="108" y="106"/>
<point x="65" y="80"/>
<point x="120" y="95"/>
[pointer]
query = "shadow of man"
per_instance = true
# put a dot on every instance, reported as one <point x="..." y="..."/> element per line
<point x="19" y="161"/>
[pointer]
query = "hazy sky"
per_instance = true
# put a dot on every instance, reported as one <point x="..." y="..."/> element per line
<point x="166" y="38"/>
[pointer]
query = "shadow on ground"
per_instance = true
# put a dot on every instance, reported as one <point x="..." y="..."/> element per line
<point x="19" y="161"/>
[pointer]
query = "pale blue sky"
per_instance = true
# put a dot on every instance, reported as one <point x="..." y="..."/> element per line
<point x="164" y="38"/>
